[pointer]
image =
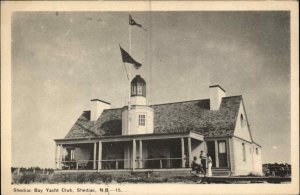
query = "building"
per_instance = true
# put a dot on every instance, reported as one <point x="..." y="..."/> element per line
<point x="162" y="136"/>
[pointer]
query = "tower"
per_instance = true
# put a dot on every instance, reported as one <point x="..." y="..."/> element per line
<point x="140" y="114"/>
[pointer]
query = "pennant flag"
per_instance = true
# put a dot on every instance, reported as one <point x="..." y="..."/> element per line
<point x="134" y="23"/>
<point x="127" y="58"/>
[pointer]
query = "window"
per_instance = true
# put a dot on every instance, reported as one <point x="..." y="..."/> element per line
<point x="72" y="154"/>
<point x="142" y="120"/>
<point x="133" y="88"/>
<point x="222" y="147"/>
<point x="242" y="120"/>
<point x="244" y="152"/>
<point x="140" y="90"/>
<point x="256" y="151"/>
<point x="222" y="153"/>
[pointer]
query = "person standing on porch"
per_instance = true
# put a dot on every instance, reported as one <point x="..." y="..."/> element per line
<point x="203" y="161"/>
<point x="209" y="165"/>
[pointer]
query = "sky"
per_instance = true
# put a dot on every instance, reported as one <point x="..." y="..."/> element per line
<point x="62" y="60"/>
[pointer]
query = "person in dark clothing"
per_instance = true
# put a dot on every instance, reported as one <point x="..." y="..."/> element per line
<point x="196" y="165"/>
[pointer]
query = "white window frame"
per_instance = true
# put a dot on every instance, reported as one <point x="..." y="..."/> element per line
<point x="142" y="120"/>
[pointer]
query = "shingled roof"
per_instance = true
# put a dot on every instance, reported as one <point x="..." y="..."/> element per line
<point x="186" y="116"/>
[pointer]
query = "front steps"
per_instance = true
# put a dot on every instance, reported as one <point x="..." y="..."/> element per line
<point x="221" y="172"/>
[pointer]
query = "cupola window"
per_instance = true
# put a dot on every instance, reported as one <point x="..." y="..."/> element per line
<point x="139" y="90"/>
<point x="138" y="86"/>
<point x="133" y="89"/>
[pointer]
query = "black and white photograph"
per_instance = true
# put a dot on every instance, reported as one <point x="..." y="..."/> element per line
<point x="148" y="96"/>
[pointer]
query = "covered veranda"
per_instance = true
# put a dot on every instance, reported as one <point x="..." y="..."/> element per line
<point x="128" y="152"/>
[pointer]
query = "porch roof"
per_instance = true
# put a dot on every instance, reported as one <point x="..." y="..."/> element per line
<point x="120" y="138"/>
<point x="179" y="117"/>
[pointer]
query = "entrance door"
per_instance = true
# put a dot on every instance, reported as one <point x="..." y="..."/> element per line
<point x="211" y="152"/>
<point x="222" y="153"/>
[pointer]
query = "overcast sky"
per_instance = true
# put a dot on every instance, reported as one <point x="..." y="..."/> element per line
<point x="61" y="60"/>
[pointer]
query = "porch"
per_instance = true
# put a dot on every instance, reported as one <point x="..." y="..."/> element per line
<point x="130" y="152"/>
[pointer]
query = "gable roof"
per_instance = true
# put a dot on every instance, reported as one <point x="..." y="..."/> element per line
<point x="186" y="116"/>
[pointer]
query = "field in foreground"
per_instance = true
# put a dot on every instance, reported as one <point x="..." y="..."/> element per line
<point x="100" y="178"/>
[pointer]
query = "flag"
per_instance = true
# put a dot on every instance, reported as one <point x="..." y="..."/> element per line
<point x="134" y="23"/>
<point x="127" y="58"/>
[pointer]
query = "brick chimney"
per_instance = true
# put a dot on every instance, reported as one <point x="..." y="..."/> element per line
<point x="216" y="93"/>
<point x="97" y="108"/>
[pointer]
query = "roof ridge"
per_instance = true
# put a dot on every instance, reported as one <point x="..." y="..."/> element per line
<point x="176" y="102"/>
<point x="194" y="100"/>
<point x="113" y="108"/>
<point x="172" y="102"/>
<point x="233" y="96"/>
<point x="179" y="102"/>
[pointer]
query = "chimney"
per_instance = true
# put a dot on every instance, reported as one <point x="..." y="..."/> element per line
<point x="216" y="93"/>
<point x="97" y="108"/>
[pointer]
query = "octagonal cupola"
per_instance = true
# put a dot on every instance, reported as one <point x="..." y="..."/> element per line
<point x="138" y="91"/>
<point x="138" y="86"/>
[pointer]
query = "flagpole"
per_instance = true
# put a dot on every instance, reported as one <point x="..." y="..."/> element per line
<point x="129" y="39"/>
<point x="129" y="91"/>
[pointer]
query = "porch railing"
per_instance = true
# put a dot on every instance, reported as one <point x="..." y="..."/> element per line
<point x="115" y="163"/>
<point x="110" y="164"/>
<point x="160" y="163"/>
<point x="77" y="164"/>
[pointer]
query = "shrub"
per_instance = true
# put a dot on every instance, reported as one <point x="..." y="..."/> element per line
<point x="27" y="178"/>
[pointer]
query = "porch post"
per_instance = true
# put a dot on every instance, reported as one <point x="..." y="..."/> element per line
<point x="133" y="153"/>
<point x="217" y="153"/>
<point x="60" y="157"/>
<point x="94" y="159"/>
<point x="99" y="155"/>
<point x="205" y="153"/>
<point x="141" y="153"/>
<point x="190" y="151"/>
<point x="228" y="153"/>
<point x="55" y="165"/>
<point x="182" y="153"/>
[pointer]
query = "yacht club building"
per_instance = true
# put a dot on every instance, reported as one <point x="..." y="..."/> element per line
<point x="162" y="136"/>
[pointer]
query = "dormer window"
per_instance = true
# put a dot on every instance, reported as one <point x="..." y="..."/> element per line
<point x="142" y="120"/>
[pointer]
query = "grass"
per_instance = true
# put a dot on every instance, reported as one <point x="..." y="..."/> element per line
<point x="28" y="178"/>
<point x="100" y="178"/>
